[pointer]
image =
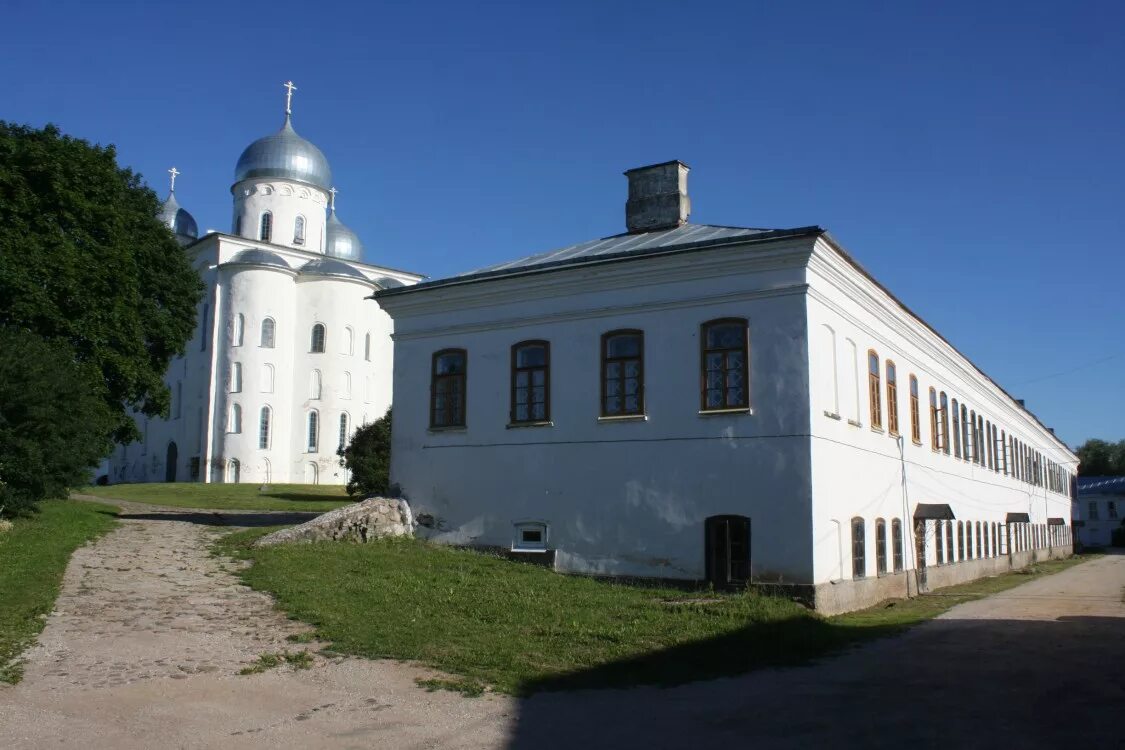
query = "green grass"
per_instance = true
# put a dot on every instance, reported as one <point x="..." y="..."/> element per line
<point x="295" y="659"/>
<point x="33" y="558"/>
<point x="519" y="629"/>
<point x="294" y="497"/>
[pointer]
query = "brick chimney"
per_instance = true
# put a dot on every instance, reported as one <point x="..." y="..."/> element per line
<point x="658" y="197"/>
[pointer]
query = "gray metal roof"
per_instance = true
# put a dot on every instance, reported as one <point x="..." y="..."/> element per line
<point x="259" y="258"/>
<point x="331" y="267"/>
<point x="1101" y="485"/>
<point x="177" y="219"/>
<point x="286" y="155"/>
<point x="340" y="241"/>
<point x="386" y="282"/>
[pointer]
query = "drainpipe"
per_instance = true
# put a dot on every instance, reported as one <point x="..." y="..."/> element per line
<point x="907" y="523"/>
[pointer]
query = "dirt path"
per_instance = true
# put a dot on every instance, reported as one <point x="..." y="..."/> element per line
<point x="150" y="632"/>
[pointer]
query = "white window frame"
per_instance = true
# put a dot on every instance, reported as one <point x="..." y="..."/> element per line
<point x="520" y="545"/>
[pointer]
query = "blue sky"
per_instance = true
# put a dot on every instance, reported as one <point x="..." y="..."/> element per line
<point x="969" y="154"/>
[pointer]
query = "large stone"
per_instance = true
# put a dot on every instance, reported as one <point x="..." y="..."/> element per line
<point x="373" y="518"/>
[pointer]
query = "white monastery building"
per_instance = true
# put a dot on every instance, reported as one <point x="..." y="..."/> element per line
<point x="289" y="355"/>
<point x="1099" y="511"/>
<point x="717" y="403"/>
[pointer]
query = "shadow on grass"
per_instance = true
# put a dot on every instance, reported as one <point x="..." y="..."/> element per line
<point x="235" y="519"/>
<point x="948" y="683"/>
<point x="302" y="497"/>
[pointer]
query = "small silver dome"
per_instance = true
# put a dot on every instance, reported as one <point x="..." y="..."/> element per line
<point x="286" y="155"/>
<point x="386" y="282"/>
<point x="178" y="220"/>
<point x="339" y="241"/>
<point x="330" y="267"/>
<point x="259" y="258"/>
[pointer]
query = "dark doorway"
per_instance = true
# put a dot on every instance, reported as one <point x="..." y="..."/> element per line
<point x="727" y="550"/>
<point x="170" y="463"/>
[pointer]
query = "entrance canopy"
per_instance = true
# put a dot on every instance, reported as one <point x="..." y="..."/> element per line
<point x="1056" y="522"/>
<point x="933" y="512"/>
<point x="1017" y="518"/>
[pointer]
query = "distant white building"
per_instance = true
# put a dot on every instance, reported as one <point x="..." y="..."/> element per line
<point x="289" y="356"/>
<point x="1099" y="509"/>
<point x="710" y="402"/>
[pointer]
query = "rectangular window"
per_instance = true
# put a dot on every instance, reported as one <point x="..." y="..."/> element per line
<point x="892" y="399"/>
<point x="530" y="537"/>
<point x="880" y="546"/>
<point x="531" y="383"/>
<point x="724" y="350"/>
<point x="956" y="430"/>
<point x="859" y="557"/>
<point x="623" y="381"/>
<point x="915" y="426"/>
<point x="1111" y="509"/>
<point x="933" y="420"/>
<point x="896" y="544"/>
<point x="874" y="394"/>
<point x="447" y="388"/>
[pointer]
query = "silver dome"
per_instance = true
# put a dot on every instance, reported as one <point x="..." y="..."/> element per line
<point x="286" y="155"/>
<point x="259" y="258"/>
<point x="339" y="241"/>
<point x="386" y="282"/>
<point x="178" y="220"/>
<point x="330" y="267"/>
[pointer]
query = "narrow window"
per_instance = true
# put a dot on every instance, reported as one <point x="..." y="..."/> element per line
<point x="956" y="430"/>
<point x="234" y="424"/>
<point x="892" y="400"/>
<point x="234" y="471"/>
<point x="896" y="544"/>
<point x="1093" y="511"/>
<point x="725" y="364"/>
<point x="236" y="377"/>
<point x="1004" y="451"/>
<point x="265" y="231"/>
<point x="944" y="442"/>
<point x="934" y="440"/>
<point x="343" y="431"/>
<point x="299" y="231"/>
<point x="859" y="560"/>
<point x="830" y="387"/>
<point x="238" y="225"/>
<point x="531" y="382"/>
<point x="623" y="373"/>
<point x="960" y="540"/>
<point x="1111" y="510"/>
<point x="314" y="385"/>
<point x="995" y="539"/>
<point x="316" y="345"/>
<point x="874" y="394"/>
<point x="964" y="433"/>
<point x="346" y="347"/>
<point x="949" y="541"/>
<point x="915" y="424"/>
<point x="968" y="553"/>
<point x="264" y="428"/>
<point x="939" y="541"/>
<point x="346" y="385"/>
<point x="980" y="543"/>
<point x="203" y="329"/>
<point x="267" y="333"/>
<point x="267" y="378"/>
<point x="447" y="388"/>
<point x="367" y="347"/>
<point x="313" y="431"/>
<point x="237" y="329"/>
<point x="976" y="441"/>
<point x="880" y="546"/>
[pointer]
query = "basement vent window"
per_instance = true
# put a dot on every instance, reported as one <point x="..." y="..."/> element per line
<point x="530" y="537"/>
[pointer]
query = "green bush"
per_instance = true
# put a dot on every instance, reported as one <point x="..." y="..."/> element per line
<point x="368" y="457"/>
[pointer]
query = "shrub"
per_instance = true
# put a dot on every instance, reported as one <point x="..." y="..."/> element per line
<point x="368" y="457"/>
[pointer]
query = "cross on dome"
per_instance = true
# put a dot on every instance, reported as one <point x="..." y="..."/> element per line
<point x="332" y="199"/>
<point x="290" y="88"/>
<point x="174" y="172"/>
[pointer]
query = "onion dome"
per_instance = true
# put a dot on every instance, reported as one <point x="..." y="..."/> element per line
<point x="178" y="220"/>
<point x="287" y="156"/>
<point x="331" y="267"/>
<point x="259" y="258"/>
<point x="339" y="241"/>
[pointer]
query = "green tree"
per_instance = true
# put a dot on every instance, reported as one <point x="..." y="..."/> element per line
<point x="368" y="457"/>
<point x="85" y="265"/>
<point x="1101" y="458"/>
<point x="53" y="426"/>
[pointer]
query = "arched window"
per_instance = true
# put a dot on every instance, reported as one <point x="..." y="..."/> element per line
<point x="234" y="470"/>
<point x="880" y="546"/>
<point x="949" y="541"/>
<point x="939" y="541"/>
<point x="874" y="390"/>
<point x="995" y="539"/>
<point x="892" y="400"/>
<point x="267" y="333"/>
<point x="346" y="385"/>
<point x="447" y="388"/>
<point x="319" y="333"/>
<point x="968" y="552"/>
<point x="267" y="470"/>
<point x="299" y="231"/>
<point x="367" y="346"/>
<point x="975" y="456"/>
<point x="896" y="544"/>
<point x="944" y="424"/>
<point x="203" y="328"/>
<point x="859" y="540"/>
<point x="1003" y="451"/>
<point x="343" y="431"/>
<point x="933" y="421"/>
<point x="267" y="378"/>
<point x="312" y="474"/>
<point x="915" y="425"/>
<point x="314" y="385"/>
<point x="238" y="225"/>
<point x="313" y="431"/>
<point x="236" y="377"/>
<point x="956" y="430"/>
<point x="830" y="387"/>
<point x="623" y="374"/>
<point x="989" y="445"/>
<point x="237" y="329"/>
<point x="980" y="543"/>
<point x="265" y="231"/>
<point x="235" y="422"/>
<point x="724" y="364"/>
<point x="965" y="432"/>
<point x="531" y="382"/>
<point x="346" y="344"/>
<point x="960" y="540"/>
<point x="264" y="428"/>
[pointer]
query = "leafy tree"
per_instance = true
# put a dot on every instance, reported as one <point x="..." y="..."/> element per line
<point x="1101" y="458"/>
<point x="53" y="426"/>
<point x="85" y="265"/>
<point x="368" y="457"/>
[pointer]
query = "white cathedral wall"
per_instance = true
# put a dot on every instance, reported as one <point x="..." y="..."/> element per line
<point x="286" y="201"/>
<point x="858" y="471"/>
<point x="621" y="497"/>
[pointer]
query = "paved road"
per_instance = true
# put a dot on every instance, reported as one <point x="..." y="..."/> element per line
<point x="150" y="631"/>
